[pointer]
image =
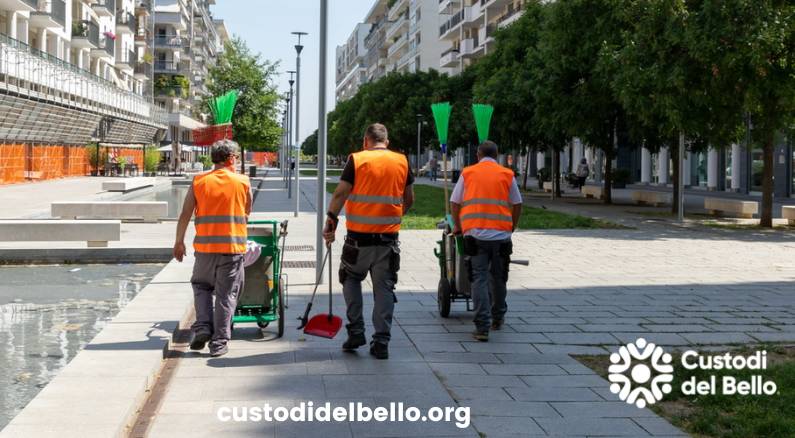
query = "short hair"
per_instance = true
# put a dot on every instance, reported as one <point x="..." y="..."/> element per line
<point x="376" y="133"/>
<point x="223" y="150"/>
<point x="488" y="149"/>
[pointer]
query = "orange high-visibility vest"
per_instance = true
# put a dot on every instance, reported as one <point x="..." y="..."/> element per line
<point x="375" y="204"/>
<point x="486" y="203"/>
<point x="221" y="220"/>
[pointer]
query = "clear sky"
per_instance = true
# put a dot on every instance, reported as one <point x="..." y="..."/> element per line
<point x="265" y="25"/>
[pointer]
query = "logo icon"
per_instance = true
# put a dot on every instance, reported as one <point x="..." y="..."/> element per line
<point x="631" y="359"/>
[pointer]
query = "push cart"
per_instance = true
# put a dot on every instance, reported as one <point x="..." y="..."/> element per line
<point x="454" y="265"/>
<point x="455" y="268"/>
<point x="262" y="299"/>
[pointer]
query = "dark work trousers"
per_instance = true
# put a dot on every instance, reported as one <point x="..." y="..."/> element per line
<point x="489" y="261"/>
<point x="220" y="275"/>
<point x="382" y="262"/>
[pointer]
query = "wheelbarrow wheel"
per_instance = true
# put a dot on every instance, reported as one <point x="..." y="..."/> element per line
<point x="281" y="309"/>
<point x="443" y="297"/>
<point x="263" y="324"/>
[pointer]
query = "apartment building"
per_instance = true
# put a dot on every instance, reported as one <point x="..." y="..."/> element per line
<point x="187" y="42"/>
<point x="68" y="77"/>
<point x="395" y="36"/>
<point x="467" y="28"/>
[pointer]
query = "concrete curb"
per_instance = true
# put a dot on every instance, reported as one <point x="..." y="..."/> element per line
<point x="84" y="255"/>
<point x="100" y="391"/>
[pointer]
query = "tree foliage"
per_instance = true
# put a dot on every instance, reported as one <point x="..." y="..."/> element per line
<point x="256" y="116"/>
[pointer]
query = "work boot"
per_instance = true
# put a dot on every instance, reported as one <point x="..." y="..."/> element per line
<point x="354" y="341"/>
<point x="379" y="350"/>
<point x="497" y="324"/>
<point x="199" y="340"/>
<point x="218" y="350"/>
<point x="481" y="335"/>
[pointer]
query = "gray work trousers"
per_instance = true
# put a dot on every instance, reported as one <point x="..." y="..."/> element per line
<point x="383" y="264"/>
<point x="489" y="261"/>
<point x="220" y="275"/>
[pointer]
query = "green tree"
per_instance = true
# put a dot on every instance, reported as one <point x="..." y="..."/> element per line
<point x="309" y="146"/>
<point x="256" y="117"/>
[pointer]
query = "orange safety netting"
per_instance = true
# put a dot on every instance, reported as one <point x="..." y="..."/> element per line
<point x="76" y="161"/>
<point x="47" y="162"/>
<point x="12" y="163"/>
<point x="263" y="159"/>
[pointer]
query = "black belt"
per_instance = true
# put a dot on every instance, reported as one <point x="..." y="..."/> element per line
<point x="367" y="239"/>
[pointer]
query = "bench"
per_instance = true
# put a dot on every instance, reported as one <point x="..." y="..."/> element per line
<point x="96" y="233"/>
<point x="591" y="191"/>
<point x="148" y="211"/>
<point x="127" y="184"/>
<point x="788" y="212"/>
<point x="720" y="206"/>
<point x="650" y="197"/>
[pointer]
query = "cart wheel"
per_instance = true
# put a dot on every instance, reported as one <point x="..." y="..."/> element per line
<point x="443" y="298"/>
<point x="281" y="309"/>
<point x="263" y="324"/>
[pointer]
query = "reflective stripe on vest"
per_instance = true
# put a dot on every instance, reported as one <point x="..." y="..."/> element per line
<point x="486" y="202"/>
<point x="220" y="221"/>
<point x="375" y="204"/>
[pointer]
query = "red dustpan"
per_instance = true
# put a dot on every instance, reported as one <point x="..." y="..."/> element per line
<point x="324" y="325"/>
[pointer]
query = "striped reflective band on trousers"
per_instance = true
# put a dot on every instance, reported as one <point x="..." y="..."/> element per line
<point x="488" y="216"/>
<point x="235" y="240"/>
<point x="220" y="220"/>
<point x="370" y="199"/>
<point x="374" y="220"/>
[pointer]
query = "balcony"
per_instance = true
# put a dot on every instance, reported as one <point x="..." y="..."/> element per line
<point x="126" y="23"/>
<point x="106" y="48"/>
<point x="126" y="60"/>
<point x="143" y="8"/>
<point x="397" y="46"/>
<point x="449" y="58"/>
<point x="171" y="91"/>
<point x="397" y="9"/>
<point x="447" y="7"/>
<point x="398" y="25"/>
<point x="511" y="14"/>
<point x="50" y="14"/>
<point x="19" y="5"/>
<point x="171" y="67"/>
<point x="85" y="35"/>
<point x="142" y="70"/>
<point x="473" y="15"/>
<point x="451" y="24"/>
<point x="170" y="41"/>
<point x="104" y="8"/>
<point x="142" y="37"/>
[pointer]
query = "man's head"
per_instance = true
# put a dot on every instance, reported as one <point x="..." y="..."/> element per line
<point x="376" y="134"/>
<point x="224" y="152"/>
<point x="487" y="149"/>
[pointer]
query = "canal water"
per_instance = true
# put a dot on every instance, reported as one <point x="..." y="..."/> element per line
<point x="49" y="313"/>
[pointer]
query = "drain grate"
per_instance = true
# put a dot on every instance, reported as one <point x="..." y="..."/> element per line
<point x="299" y="248"/>
<point x="297" y="264"/>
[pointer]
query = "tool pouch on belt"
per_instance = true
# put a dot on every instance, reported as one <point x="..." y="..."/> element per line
<point x="350" y="255"/>
<point x="506" y="249"/>
<point x="470" y="246"/>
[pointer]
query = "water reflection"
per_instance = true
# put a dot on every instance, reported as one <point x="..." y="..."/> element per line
<point x="48" y="314"/>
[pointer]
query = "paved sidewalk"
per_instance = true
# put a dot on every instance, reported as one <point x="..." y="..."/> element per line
<point x="586" y="291"/>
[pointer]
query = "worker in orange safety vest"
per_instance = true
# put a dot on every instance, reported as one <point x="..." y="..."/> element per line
<point x="376" y="190"/>
<point x="486" y="205"/>
<point x="221" y="200"/>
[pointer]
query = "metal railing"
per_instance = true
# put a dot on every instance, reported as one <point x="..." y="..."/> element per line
<point x="108" y="44"/>
<point x="170" y="41"/>
<point x="126" y="19"/>
<point x="452" y="22"/>
<point x="143" y="68"/>
<point x="55" y="9"/>
<point x="23" y="67"/>
<point x="89" y="30"/>
<point x="127" y="57"/>
<point x="170" y="67"/>
<point x="107" y="4"/>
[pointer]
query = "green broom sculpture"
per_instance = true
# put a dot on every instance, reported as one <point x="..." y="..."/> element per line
<point x="483" y="115"/>
<point x="441" y="116"/>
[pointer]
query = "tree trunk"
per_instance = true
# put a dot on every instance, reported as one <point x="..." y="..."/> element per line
<point x="555" y="174"/>
<point x="608" y="178"/>
<point x="766" y="219"/>
<point x="675" y="167"/>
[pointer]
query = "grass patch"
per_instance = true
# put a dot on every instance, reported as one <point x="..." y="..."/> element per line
<point x="313" y="172"/>
<point x="723" y="415"/>
<point x="428" y="209"/>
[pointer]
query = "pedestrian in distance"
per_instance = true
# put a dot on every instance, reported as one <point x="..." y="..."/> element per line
<point x="582" y="173"/>
<point x="221" y="201"/>
<point x="432" y="165"/>
<point x="486" y="206"/>
<point x="376" y="190"/>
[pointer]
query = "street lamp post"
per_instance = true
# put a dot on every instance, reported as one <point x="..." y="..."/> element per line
<point x="298" y="49"/>
<point x="321" y="141"/>
<point x="290" y="120"/>
<point x="419" y="140"/>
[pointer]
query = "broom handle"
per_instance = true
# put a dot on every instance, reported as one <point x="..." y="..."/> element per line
<point x="446" y="198"/>
<point x="330" y="276"/>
